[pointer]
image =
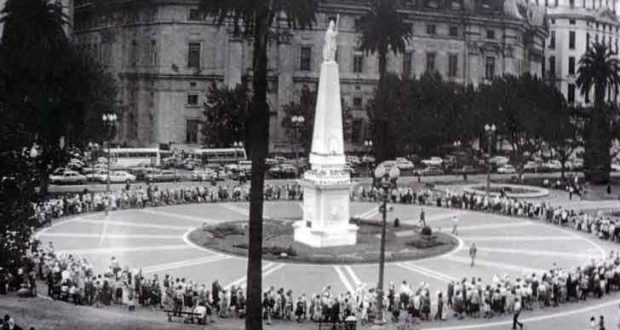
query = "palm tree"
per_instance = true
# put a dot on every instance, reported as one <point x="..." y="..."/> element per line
<point x="599" y="68"/>
<point x="254" y="18"/>
<point x="382" y="29"/>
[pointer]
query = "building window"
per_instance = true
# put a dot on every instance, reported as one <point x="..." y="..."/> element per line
<point x="587" y="41"/>
<point x="571" y="22"/>
<point x="193" y="55"/>
<point x="357" y="102"/>
<point x="153" y="53"/>
<point x="194" y="15"/>
<point x="571" y="39"/>
<point x="453" y="65"/>
<point x="552" y="66"/>
<point x="192" y="99"/>
<point x="489" y="67"/>
<point x="571" y="93"/>
<point x="191" y="131"/>
<point x="133" y="56"/>
<point x="407" y="61"/>
<point x="490" y="34"/>
<point x="430" y="29"/>
<point x="358" y="62"/>
<point x="305" y="59"/>
<point x="571" y="3"/>
<point x="430" y="62"/>
<point x="571" y="65"/>
<point x="587" y="97"/>
<point x="552" y="40"/>
<point x="454" y="31"/>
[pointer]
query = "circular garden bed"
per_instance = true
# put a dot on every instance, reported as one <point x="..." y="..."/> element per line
<point x="510" y="190"/>
<point x="402" y="243"/>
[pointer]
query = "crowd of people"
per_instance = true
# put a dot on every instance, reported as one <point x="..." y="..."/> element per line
<point x="71" y="278"/>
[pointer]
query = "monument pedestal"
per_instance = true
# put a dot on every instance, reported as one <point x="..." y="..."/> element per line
<point x="327" y="185"/>
<point x="326" y="210"/>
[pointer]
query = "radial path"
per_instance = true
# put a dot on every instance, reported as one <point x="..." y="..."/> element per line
<point x="154" y="240"/>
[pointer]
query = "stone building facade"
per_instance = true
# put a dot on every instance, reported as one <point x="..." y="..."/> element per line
<point x="573" y="26"/>
<point x="166" y="55"/>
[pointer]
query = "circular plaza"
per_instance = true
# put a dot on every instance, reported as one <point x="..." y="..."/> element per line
<point x="156" y="241"/>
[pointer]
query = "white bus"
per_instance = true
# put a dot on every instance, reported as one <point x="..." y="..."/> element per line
<point x="131" y="157"/>
<point x="220" y="156"/>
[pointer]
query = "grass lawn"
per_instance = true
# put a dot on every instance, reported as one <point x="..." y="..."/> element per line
<point x="232" y="237"/>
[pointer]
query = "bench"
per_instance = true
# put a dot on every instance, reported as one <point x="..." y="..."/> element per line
<point x="190" y="315"/>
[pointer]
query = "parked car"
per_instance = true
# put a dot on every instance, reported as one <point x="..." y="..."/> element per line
<point x="67" y="177"/>
<point x="368" y="159"/>
<point x="354" y="160"/>
<point x="499" y="160"/>
<point x="552" y="165"/>
<point x="160" y="176"/>
<point x="119" y="176"/>
<point x="532" y="166"/>
<point x="575" y="164"/>
<point x="403" y="164"/>
<point x="467" y="169"/>
<point x="431" y="170"/>
<point x="506" y="169"/>
<point x="97" y="176"/>
<point x="205" y="174"/>
<point x="433" y="161"/>
<point x="282" y="171"/>
<point x="75" y="164"/>
<point x="387" y="164"/>
<point x="271" y="161"/>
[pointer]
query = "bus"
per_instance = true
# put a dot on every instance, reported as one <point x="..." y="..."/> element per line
<point x="132" y="157"/>
<point x="220" y="156"/>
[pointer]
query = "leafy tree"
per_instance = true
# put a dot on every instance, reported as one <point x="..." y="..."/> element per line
<point x="386" y="116"/>
<point x="565" y="135"/>
<point x="598" y="69"/>
<point x="382" y="29"/>
<point x="225" y="116"/>
<point x="521" y="108"/>
<point x="57" y="92"/>
<point x="16" y="192"/>
<point x="254" y="18"/>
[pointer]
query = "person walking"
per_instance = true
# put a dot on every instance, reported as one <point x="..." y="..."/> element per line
<point x="515" y="315"/>
<point x="422" y="219"/>
<point x="455" y="224"/>
<point x="472" y="253"/>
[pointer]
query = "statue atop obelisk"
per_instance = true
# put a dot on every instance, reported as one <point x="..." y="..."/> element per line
<point x="327" y="184"/>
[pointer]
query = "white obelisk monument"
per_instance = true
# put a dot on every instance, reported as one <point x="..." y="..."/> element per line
<point x="327" y="184"/>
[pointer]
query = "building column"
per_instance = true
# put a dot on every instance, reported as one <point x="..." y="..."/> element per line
<point x="234" y="62"/>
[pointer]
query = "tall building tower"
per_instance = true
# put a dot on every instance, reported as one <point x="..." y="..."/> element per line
<point x="574" y="25"/>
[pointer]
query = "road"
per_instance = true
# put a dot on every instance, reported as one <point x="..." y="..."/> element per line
<point x="405" y="180"/>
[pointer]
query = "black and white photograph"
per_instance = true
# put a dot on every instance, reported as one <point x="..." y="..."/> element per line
<point x="309" y="164"/>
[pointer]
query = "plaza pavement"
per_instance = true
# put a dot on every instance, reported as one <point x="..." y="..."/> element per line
<point x="155" y="240"/>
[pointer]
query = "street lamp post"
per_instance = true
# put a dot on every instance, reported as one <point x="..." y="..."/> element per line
<point x="109" y="119"/>
<point x="385" y="181"/>
<point x="368" y="145"/>
<point x="297" y="121"/>
<point x="238" y="145"/>
<point x="490" y="130"/>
